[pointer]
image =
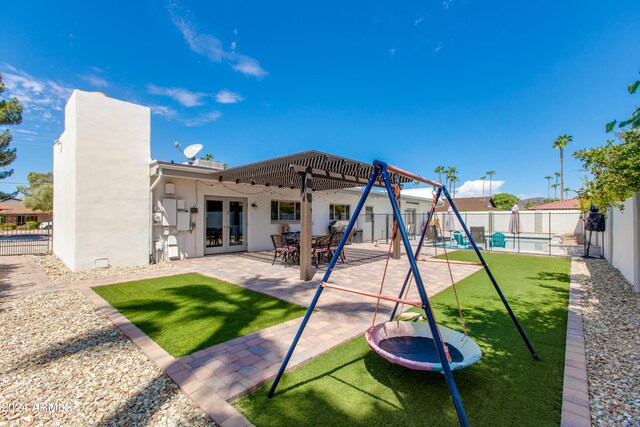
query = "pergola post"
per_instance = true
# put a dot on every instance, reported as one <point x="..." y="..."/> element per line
<point x="306" y="202"/>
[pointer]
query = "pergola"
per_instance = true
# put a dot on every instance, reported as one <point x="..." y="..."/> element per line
<point x="309" y="171"/>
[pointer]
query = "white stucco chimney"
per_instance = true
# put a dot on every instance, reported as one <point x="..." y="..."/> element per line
<point x="101" y="183"/>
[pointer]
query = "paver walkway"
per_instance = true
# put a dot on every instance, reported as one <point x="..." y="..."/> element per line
<point x="217" y="375"/>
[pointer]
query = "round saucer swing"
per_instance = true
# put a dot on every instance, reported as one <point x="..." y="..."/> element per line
<point x="411" y="344"/>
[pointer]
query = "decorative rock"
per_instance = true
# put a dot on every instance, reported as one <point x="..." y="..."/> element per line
<point x="59" y="273"/>
<point x="63" y="363"/>
<point x="611" y="314"/>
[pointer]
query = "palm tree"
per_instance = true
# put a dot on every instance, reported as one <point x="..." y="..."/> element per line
<point x="555" y="191"/>
<point x="566" y="192"/>
<point x="439" y="171"/>
<point x="557" y="175"/>
<point x="560" y="143"/>
<point x="490" y="173"/>
<point x="450" y="174"/>
<point x="548" y="178"/>
<point x="455" y="181"/>
<point x="483" y="178"/>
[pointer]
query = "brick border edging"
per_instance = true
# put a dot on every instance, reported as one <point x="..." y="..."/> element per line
<point x="575" y="395"/>
<point x="218" y="409"/>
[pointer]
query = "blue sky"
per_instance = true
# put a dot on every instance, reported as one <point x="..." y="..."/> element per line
<point x="479" y="85"/>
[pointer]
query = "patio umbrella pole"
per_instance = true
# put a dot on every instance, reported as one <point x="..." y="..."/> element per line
<point x="493" y="280"/>
<point x="336" y="254"/>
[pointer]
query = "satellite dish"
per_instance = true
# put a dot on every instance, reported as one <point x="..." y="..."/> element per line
<point x="191" y="151"/>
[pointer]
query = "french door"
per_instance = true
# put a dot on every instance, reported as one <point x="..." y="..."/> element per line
<point x="225" y="225"/>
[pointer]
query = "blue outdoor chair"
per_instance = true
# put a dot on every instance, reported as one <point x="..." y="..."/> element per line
<point x="460" y="239"/>
<point x="497" y="240"/>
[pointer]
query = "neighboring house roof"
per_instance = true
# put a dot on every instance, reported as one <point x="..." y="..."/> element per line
<point x="558" y="205"/>
<point x="470" y="204"/>
<point x="13" y="208"/>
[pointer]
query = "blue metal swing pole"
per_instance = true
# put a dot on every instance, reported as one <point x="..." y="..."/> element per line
<point x="493" y="280"/>
<point x="417" y="253"/>
<point x="455" y="396"/>
<point x="336" y="255"/>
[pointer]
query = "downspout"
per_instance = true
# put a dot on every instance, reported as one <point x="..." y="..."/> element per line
<point x="153" y="186"/>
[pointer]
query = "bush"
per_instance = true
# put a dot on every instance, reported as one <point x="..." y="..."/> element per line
<point x="8" y="226"/>
<point x="31" y="225"/>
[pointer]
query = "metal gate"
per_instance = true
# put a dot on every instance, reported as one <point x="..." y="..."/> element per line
<point x="30" y="238"/>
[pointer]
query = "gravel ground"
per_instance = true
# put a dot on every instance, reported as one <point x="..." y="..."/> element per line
<point x="59" y="273"/>
<point x="62" y="362"/>
<point x="612" y="337"/>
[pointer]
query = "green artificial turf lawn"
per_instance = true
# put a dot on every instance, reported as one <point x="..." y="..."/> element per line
<point x="351" y="385"/>
<point x="190" y="312"/>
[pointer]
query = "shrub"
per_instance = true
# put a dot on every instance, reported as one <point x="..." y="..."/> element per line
<point x="8" y="226"/>
<point x="31" y="225"/>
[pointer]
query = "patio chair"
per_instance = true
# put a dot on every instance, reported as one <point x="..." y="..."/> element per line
<point x="281" y="248"/>
<point x="460" y="239"/>
<point x="320" y="248"/>
<point x="497" y="240"/>
<point x="333" y="245"/>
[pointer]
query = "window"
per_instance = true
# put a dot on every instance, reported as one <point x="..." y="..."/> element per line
<point x="285" y="211"/>
<point x="339" y="212"/>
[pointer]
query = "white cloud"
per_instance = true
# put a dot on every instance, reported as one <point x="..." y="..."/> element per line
<point x="392" y="51"/>
<point x="438" y="48"/>
<point x="228" y="97"/>
<point x="184" y="96"/>
<point x="474" y="188"/>
<point x="446" y="3"/>
<point x="210" y="46"/>
<point x="203" y="119"/>
<point x="233" y="45"/>
<point x="163" y="111"/>
<point x="39" y="97"/>
<point x="95" y="80"/>
<point x="418" y="21"/>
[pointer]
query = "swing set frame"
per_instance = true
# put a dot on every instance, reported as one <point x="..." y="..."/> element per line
<point x="381" y="171"/>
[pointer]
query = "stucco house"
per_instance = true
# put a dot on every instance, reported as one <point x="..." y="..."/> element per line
<point x="115" y="206"/>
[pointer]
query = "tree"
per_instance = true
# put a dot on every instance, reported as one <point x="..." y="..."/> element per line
<point x="614" y="170"/>
<point x="560" y="143"/>
<point x="10" y="114"/>
<point x="504" y="201"/>
<point x="557" y="175"/>
<point x="208" y="156"/>
<point x="439" y="170"/>
<point x="490" y="173"/>
<point x="450" y="173"/>
<point x="39" y="194"/>
<point x="548" y="178"/>
<point x="555" y="191"/>
<point x="455" y="182"/>
<point x="634" y="120"/>
<point x="566" y="193"/>
<point x="483" y="178"/>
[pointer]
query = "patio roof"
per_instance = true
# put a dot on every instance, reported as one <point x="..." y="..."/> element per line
<point x="330" y="172"/>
